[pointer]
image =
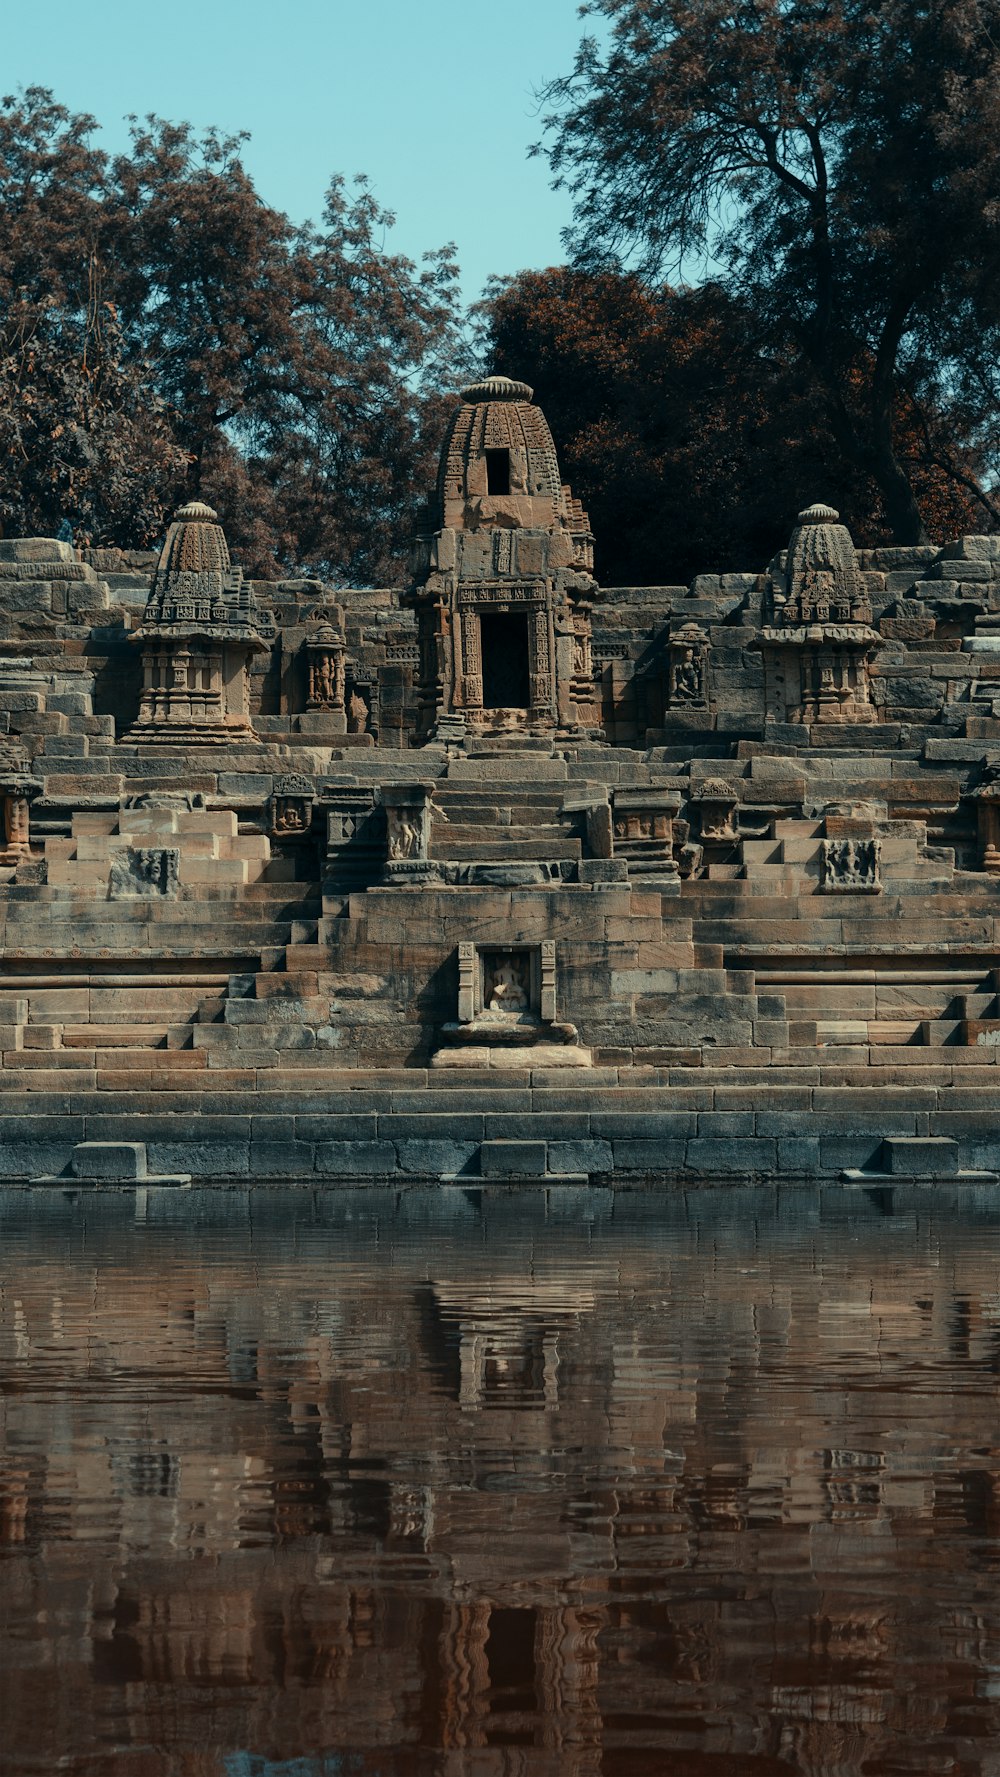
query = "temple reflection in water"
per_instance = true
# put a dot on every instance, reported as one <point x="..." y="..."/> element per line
<point x="495" y="1485"/>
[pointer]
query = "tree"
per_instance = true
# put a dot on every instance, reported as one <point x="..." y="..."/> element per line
<point x="838" y="165"/>
<point x="84" y="442"/>
<point x="293" y="376"/>
<point x="691" y="447"/>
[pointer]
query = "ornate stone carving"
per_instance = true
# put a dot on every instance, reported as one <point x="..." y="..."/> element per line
<point x="987" y="800"/>
<point x="290" y="806"/>
<point x="325" y="669"/>
<point x="818" y="637"/>
<point x="643" y="830"/>
<point x="718" y="802"/>
<point x="510" y="539"/>
<point x="507" y="983"/>
<point x="201" y="625"/>
<point x="17" y="791"/>
<point x="687" y="683"/>
<point x="178" y="801"/>
<point x="408" y="826"/>
<point x="142" y="872"/>
<point x="851" y="866"/>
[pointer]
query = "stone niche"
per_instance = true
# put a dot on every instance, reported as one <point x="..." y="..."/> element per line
<point x="290" y="807"/>
<point x="504" y="580"/>
<point x="325" y="669"/>
<point x="507" y="1010"/>
<point x="17" y="791"/>
<point x="408" y="831"/>
<point x="687" y="674"/>
<point x="199" y="632"/>
<point x="718" y="802"/>
<point x="818" y="638"/>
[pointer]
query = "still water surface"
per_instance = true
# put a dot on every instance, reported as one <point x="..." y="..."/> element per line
<point x="489" y="1484"/>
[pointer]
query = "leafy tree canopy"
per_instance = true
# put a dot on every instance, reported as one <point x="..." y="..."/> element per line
<point x="691" y="446"/>
<point x="836" y="164"/>
<point x="164" y="332"/>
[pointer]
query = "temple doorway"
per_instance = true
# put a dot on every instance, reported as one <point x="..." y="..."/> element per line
<point x="506" y="684"/>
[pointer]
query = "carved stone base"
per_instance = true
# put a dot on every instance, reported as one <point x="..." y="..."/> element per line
<point x="192" y="734"/>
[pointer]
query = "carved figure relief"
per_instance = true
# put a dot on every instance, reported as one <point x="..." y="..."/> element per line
<point x="144" y="871"/>
<point x="506" y="983"/>
<point x="850" y="865"/>
<point x="16" y="825"/>
<point x="325" y="670"/>
<point x="719" y="802"/>
<point x="357" y="713"/>
<point x="405" y="836"/>
<point x="687" y="676"/>
<point x="289" y="809"/>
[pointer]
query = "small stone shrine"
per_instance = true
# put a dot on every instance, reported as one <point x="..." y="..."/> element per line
<point x="501" y="873"/>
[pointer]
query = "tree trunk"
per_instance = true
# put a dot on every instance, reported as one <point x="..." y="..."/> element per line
<point x="893" y="483"/>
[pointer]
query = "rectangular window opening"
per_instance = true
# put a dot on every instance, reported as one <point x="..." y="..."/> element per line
<point x="498" y="471"/>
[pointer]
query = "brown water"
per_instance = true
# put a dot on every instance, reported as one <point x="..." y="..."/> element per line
<point x="293" y="1485"/>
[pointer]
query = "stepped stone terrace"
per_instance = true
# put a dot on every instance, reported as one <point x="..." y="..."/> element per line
<point x="507" y="875"/>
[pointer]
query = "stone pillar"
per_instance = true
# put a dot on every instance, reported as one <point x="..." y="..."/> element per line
<point x="355" y="837"/>
<point x="988" y="820"/>
<point x="17" y="793"/>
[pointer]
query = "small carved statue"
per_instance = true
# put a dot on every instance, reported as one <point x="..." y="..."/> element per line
<point x="357" y="714"/>
<point x="405" y="835"/>
<point x="508" y="992"/>
<point x="687" y="679"/>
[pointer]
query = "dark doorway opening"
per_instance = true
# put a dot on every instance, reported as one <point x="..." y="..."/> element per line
<point x="506" y="684"/>
<point x="498" y="471"/>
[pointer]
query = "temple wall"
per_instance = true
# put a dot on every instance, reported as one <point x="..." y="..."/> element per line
<point x="717" y="897"/>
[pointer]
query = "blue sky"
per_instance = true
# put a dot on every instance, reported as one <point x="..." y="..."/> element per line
<point x="433" y="99"/>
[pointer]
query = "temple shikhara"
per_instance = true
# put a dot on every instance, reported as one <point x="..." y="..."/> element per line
<point x="506" y="874"/>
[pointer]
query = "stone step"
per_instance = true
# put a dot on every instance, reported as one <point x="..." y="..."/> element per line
<point x="466" y="832"/>
<point x="493" y="846"/>
<point x="126" y="1036"/>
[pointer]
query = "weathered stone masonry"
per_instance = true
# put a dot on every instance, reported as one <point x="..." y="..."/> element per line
<point x="508" y="874"/>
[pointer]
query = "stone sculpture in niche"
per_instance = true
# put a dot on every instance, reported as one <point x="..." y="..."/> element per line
<point x="407" y="827"/>
<point x="851" y="865"/>
<point x="818" y="637"/>
<point x="289" y="809"/>
<point x="687" y="684"/>
<point x="719" y="802"/>
<point x="144" y="871"/>
<point x="404" y="835"/>
<point x="325" y="669"/>
<point x="507" y="985"/>
<point x="201" y="625"/>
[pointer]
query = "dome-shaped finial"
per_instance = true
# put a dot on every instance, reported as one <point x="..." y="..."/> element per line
<point x="819" y="514"/>
<point x="195" y="512"/>
<point x="497" y="388"/>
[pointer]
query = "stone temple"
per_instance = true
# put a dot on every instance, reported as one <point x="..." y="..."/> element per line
<point x="507" y="875"/>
